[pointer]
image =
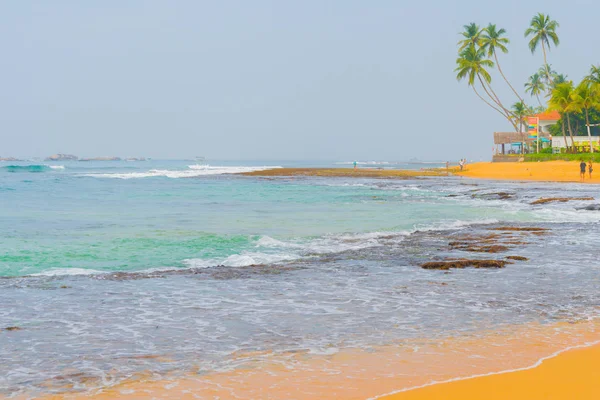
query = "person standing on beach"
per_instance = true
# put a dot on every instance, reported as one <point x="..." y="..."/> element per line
<point x="582" y="166"/>
<point x="354" y="164"/>
<point x="461" y="164"/>
<point x="590" y="169"/>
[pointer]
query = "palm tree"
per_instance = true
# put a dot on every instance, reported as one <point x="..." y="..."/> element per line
<point x="562" y="100"/>
<point x="594" y="76"/>
<point x="472" y="36"/>
<point x="535" y="86"/>
<point x="491" y="41"/>
<point x="472" y="64"/>
<point x="520" y="111"/>
<point x="558" y="79"/>
<point x="542" y="30"/>
<point x="586" y="96"/>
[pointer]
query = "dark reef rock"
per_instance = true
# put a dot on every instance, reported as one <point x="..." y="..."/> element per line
<point x="517" y="258"/>
<point x="591" y="207"/>
<point x="560" y="200"/>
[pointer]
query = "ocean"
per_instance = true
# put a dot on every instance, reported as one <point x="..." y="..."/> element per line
<point x="107" y="269"/>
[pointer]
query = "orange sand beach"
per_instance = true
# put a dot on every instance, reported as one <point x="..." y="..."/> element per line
<point x="550" y="171"/>
<point x="373" y="373"/>
<point x="547" y="171"/>
<point x="573" y="374"/>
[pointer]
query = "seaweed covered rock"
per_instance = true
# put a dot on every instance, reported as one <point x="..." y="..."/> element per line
<point x="462" y="263"/>
<point x="560" y="200"/>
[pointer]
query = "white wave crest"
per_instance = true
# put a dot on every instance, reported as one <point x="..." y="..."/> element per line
<point x="194" y="170"/>
<point x="68" y="271"/>
<point x="57" y="166"/>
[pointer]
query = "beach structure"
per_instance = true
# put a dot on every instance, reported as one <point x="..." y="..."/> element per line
<point x="535" y="136"/>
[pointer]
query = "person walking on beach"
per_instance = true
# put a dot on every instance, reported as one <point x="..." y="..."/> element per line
<point x="354" y="164"/>
<point x="590" y="168"/>
<point x="582" y="166"/>
<point x="461" y="164"/>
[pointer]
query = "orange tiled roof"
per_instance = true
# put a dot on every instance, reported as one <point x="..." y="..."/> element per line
<point x="548" y="116"/>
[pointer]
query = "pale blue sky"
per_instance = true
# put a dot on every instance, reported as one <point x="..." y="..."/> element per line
<point x="336" y="80"/>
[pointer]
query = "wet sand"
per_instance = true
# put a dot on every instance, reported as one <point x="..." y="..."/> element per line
<point x="374" y="372"/>
<point x="573" y="374"/>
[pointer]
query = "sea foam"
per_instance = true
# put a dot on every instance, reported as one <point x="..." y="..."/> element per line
<point x="192" y="171"/>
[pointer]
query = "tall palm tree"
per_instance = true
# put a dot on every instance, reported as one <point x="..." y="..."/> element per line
<point x="542" y="31"/>
<point x="520" y="111"/>
<point x="594" y="76"/>
<point x="586" y="96"/>
<point x="535" y="86"/>
<point x="562" y="100"/>
<point x="471" y="35"/>
<point x="492" y="40"/>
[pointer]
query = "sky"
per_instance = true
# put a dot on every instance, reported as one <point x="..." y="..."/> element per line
<point x="270" y="80"/>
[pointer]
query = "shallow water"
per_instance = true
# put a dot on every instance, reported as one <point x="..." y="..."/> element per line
<point x="111" y="276"/>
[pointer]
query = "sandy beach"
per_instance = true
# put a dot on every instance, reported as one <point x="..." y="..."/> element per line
<point x="548" y="171"/>
<point x="551" y="171"/>
<point x="546" y="370"/>
<point x="569" y="375"/>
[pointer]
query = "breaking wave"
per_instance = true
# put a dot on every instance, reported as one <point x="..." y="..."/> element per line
<point x="192" y="171"/>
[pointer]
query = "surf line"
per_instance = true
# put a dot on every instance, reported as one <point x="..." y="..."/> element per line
<point x="464" y="378"/>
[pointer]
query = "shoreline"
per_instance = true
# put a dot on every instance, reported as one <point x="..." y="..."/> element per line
<point x="387" y="372"/>
<point x="549" y="373"/>
<point x="546" y="171"/>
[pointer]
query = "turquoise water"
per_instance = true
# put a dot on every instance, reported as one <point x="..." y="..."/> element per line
<point x="102" y="264"/>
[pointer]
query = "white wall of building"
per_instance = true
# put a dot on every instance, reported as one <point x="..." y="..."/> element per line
<point x="560" y="142"/>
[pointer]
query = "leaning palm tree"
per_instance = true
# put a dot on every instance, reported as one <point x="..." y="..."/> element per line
<point x="492" y="40"/>
<point x="471" y="35"/>
<point x="586" y="96"/>
<point x="542" y="30"/>
<point x="562" y="100"/>
<point x="535" y="86"/>
<point x="472" y="65"/>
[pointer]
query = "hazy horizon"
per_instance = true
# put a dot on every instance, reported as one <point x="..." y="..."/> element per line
<point x="264" y="80"/>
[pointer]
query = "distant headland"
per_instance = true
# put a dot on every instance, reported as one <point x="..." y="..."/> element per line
<point x="70" y="157"/>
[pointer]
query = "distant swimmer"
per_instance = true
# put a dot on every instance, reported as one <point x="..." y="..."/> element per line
<point x="582" y="167"/>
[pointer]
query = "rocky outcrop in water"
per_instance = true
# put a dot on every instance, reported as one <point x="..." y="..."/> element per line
<point x="591" y="207"/>
<point x="101" y="159"/>
<point x="446" y="265"/>
<point x="9" y="159"/>
<point x="62" y="157"/>
<point x="560" y="200"/>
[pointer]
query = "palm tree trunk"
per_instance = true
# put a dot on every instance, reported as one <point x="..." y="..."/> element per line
<point x="562" y="124"/>
<point x="570" y="132"/>
<point x="587" y="122"/>
<point x="547" y="67"/>
<point x="506" y="80"/>
<point x="507" y="114"/>
<point x="487" y="102"/>
<point x="538" y="98"/>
